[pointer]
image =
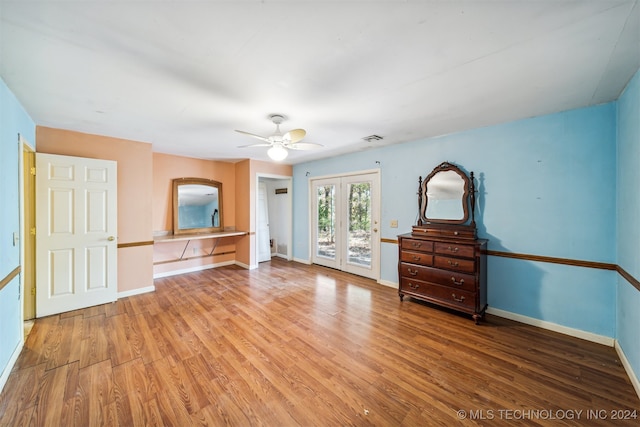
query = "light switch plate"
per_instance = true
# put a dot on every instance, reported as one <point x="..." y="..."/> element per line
<point x="394" y="223"/>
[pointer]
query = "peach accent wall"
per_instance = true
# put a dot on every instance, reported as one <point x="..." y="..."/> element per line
<point x="166" y="167"/>
<point x="135" y="174"/>
<point x="243" y="213"/>
<point x="145" y="202"/>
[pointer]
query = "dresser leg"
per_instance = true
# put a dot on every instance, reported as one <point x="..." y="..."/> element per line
<point x="401" y="297"/>
<point x="477" y="317"/>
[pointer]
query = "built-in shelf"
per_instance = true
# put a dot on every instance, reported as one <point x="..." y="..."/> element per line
<point x="187" y="238"/>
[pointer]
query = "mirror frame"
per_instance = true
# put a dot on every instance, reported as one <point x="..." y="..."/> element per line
<point x="468" y="193"/>
<point x="177" y="182"/>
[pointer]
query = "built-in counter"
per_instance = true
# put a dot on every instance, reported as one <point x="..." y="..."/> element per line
<point x="187" y="238"/>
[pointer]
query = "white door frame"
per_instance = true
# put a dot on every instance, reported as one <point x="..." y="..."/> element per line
<point x="23" y="145"/>
<point x="375" y="217"/>
<point x="289" y="180"/>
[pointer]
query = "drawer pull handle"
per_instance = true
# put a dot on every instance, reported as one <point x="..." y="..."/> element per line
<point x="416" y="244"/>
<point x="412" y="272"/>
<point x="412" y="286"/>
<point x="453" y="264"/>
<point x="461" y="299"/>
<point x="454" y="250"/>
<point x="460" y="283"/>
<point x="416" y="258"/>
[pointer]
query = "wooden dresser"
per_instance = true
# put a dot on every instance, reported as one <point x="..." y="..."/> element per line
<point x="447" y="272"/>
<point x="442" y="261"/>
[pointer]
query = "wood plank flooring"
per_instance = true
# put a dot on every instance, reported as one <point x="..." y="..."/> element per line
<point x="295" y="345"/>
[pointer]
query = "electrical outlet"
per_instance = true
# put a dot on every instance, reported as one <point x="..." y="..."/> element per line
<point x="394" y="223"/>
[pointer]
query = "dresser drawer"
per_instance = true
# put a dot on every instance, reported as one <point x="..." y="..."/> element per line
<point x="417" y="245"/>
<point x="465" y="251"/>
<point x="414" y="271"/>
<point x="443" y="293"/>
<point x="455" y="264"/>
<point x="453" y="279"/>
<point x="417" y="258"/>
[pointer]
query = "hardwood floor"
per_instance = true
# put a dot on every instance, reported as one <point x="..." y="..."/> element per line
<point x="289" y="344"/>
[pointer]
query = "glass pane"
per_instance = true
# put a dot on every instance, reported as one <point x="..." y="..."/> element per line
<point x="359" y="239"/>
<point x="326" y="246"/>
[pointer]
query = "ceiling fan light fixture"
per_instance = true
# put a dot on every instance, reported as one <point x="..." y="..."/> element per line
<point x="277" y="153"/>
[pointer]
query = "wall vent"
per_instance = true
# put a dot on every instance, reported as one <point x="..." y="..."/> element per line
<point x="372" y="138"/>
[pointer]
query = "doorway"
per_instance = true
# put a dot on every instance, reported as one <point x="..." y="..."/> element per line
<point x="274" y="224"/>
<point x="345" y="222"/>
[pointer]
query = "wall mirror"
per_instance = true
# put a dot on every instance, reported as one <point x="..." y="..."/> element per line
<point x="197" y="206"/>
<point x="444" y="195"/>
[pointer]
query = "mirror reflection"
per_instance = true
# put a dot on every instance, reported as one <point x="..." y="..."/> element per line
<point x="197" y="205"/>
<point x="445" y="191"/>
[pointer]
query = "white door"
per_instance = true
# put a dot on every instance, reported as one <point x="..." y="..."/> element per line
<point x="264" y="249"/>
<point x="76" y="225"/>
<point x="346" y="213"/>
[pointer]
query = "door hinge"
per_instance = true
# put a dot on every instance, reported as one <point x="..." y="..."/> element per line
<point x="33" y="291"/>
<point x="33" y="170"/>
<point x="32" y="231"/>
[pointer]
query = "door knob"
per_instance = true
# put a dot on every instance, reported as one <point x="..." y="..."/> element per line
<point x="111" y="238"/>
<point x="375" y="230"/>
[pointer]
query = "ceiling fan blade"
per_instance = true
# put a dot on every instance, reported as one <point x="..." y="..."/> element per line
<point x="295" y="135"/>
<point x="255" y="145"/>
<point x="253" y="135"/>
<point x="304" y="146"/>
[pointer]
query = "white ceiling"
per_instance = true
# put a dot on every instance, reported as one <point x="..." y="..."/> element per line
<point x="183" y="75"/>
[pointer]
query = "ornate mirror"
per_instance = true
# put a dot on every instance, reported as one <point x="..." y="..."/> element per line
<point x="445" y="196"/>
<point x="197" y="206"/>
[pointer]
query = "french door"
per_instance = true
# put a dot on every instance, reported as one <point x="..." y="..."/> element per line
<point x="345" y="217"/>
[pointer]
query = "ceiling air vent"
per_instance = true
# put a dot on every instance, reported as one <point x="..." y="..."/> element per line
<point x="372" y="138"/>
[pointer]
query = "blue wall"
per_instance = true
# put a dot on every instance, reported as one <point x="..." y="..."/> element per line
<point x="546" y="187"/>
<point x="628" y="313"/>
<point x="13" y="121"/>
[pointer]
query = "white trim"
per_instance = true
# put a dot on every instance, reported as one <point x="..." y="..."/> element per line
<point x="138" y="291"/>
<point x="245" y="266"/>
<point x="627" y="367"/>
<point x="302" y="261"/>
<point x="577" y="333"/>
<point x="11" y="363"/>
<point x="388" y="283"/>
<point x="192" y="269"/>
<point x="340" y="175"/>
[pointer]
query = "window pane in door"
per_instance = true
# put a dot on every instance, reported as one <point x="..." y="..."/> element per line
<point x="326" y="232"/>
<point x="359" y="235"/>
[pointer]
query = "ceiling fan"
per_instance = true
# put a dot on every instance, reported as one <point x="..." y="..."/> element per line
<point x="280" y="142"/>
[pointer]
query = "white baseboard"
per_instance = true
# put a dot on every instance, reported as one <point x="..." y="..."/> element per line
<point x="192" y="269"/>
<point x="138" y="291"/>
<point x="302" y="261"/>
<point x="588" y="336"/>
<point x="388" y="284"/>
<point x="245" y="266"/>
<point x="10" y="364"/>
<point x="627" y="367"/>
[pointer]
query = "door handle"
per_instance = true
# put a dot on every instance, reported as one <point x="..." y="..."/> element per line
<point x="375" y="230"/>
<point x="111" y="238"/>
